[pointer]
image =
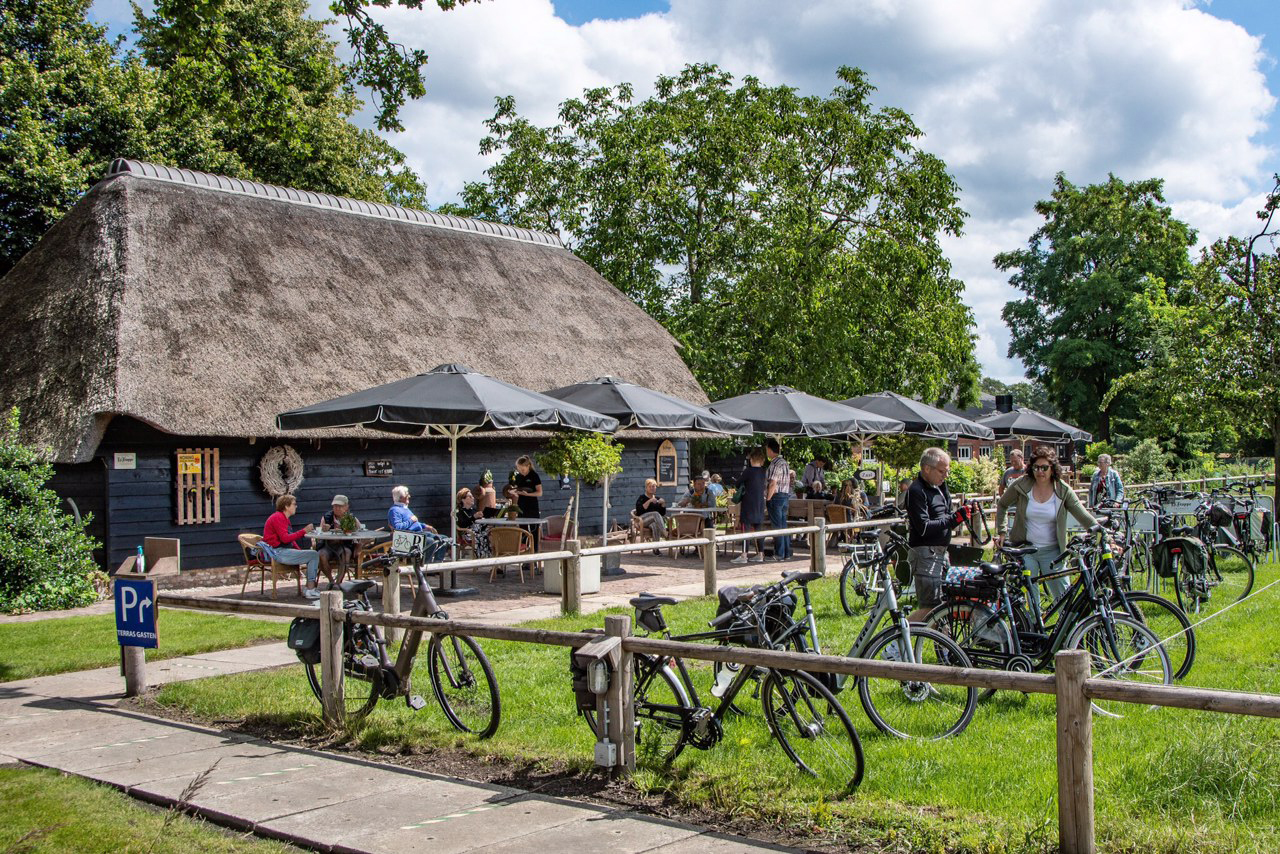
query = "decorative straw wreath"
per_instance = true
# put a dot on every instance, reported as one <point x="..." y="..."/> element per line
<point x="281" y="470"/>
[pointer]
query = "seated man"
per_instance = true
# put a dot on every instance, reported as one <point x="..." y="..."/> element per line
<point x="343" y="552"/>
<point x="699" y="495"/>
<point x="401" y="518"/>
<point x="276" y="533"/>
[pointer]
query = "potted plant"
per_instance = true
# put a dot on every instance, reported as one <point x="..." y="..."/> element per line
<point x="583" y="456"/>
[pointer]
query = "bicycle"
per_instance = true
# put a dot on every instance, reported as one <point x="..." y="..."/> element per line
<point x="866" y="553"/>
<point x="804" y="717"/>
<point x="460" y="674"/>
<point x="987" y="615"/>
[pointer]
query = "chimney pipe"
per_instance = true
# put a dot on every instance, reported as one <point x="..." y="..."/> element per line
<point x="1004" y="403"/>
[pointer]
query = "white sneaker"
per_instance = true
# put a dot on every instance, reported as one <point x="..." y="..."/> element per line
<point x="759" y="558"/>
<point x="740" y="559"/>
<point x="311" y="593"/>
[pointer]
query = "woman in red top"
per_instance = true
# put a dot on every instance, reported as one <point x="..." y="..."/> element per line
<point x="283" y="542"/>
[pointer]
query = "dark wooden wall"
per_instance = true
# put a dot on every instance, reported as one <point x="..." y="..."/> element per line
<point x="141" y="502"/>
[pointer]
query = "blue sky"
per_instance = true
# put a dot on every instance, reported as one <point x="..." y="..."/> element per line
<point x="1007" y="93"/>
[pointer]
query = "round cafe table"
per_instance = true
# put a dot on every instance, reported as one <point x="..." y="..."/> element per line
<point x="357" y="537"/>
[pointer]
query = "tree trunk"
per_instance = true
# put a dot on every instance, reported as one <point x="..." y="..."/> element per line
<point x="1275" y="457"/>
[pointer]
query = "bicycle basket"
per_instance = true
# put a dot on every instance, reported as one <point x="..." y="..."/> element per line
<point x="970" y="583"/>
<point x="1193" y="553"/>
<point x="304" y="639"/>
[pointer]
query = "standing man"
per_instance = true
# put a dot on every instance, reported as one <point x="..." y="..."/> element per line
<point x="929" y="523"/>
<point x="1106" y="483"/>
<point x="1017" y="468"/>
<point x="777" y="495"/>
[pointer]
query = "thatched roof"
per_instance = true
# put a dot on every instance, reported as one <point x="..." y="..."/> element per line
<point x="204" y="306"/>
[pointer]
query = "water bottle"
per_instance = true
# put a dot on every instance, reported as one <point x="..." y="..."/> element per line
<point x="723" y="679"/>
<point x="141" y="565"/>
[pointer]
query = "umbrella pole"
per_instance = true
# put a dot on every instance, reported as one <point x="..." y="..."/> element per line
<point x="453" y="491"/>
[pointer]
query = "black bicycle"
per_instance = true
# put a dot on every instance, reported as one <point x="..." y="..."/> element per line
<point x="801" y="713"/>
<point x="460" y="674"/>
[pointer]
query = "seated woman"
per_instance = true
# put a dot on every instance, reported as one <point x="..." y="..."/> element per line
<point x="276" y="533"/>
<point x="853" y="498"/>
<point x="652" y="511"/>
<point x="469" y="533"/>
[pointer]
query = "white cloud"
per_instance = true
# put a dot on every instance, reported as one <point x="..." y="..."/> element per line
<point x="1008" y="93"/>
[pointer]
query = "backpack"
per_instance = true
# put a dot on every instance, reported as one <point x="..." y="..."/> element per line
<point x="304" y="639"/>
<point x="1194" y="555"/>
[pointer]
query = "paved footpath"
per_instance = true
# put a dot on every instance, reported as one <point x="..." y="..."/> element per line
<point x="71" y="723"/>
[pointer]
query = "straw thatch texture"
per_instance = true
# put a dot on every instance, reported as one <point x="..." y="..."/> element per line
<point x="204" y="312"/>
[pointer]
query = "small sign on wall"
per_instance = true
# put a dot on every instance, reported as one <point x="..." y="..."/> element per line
<point x="667" y="464"/>
<point x="125" y="460"/>
<point x="189" y="464"/>
<point x="377" y="468"/>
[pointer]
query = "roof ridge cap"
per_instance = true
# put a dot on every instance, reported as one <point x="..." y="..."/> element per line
<point x="412" y="216"/>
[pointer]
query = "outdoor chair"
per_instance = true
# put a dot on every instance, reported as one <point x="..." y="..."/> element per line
<point x="506" y="540"/>
<point x="686" y="526"/>
<point x="640" y="532"/>
<point x="730" y="523"/>
<point x="560" y="529"/>
<point x="369" y="565"/>
<point x="279" y="570"/>
<point x="253" y="562"/>
<point x="838" y="514"/>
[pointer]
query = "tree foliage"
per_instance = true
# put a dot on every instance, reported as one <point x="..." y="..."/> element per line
<point x="589" y="457"/>
<point x="781" y="238"/>
<point x="1087" y="273"/>
<point x="248" y="88"/>
<point x="46" y="558"/>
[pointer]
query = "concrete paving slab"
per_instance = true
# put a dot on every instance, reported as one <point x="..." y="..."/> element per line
<point x="612" y="832"/>
<point x="162" y="771"/>
<point x="72" y="732"/>
<point x="719" y="843"/>
<point x="355" y="821"/>
<point x="483" y="826"/>
<point x="133" y="743"/>
<point x="274" y="654"/>
<point x="262" y="798"/>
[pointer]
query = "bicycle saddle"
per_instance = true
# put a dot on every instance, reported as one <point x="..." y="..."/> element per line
<point x="865" y="536"/>
<point x="1182" y="531"/>
<point x="1018" y="551"/>
<point x="647" y="601"/>
<point x="800" y="577"/>
<point x="355" y="588"/>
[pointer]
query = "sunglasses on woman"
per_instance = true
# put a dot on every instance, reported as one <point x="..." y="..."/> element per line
<point x="1041" y="468"/>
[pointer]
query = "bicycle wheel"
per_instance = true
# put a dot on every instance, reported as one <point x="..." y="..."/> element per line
<point x="1169" y="623"/>
<point x="1137" y="565"/>
<point x="974" y="626"/>
<point x="1121" y="649"/>
<point x="912" y="709"/>
<point x="854" y="584"/>
<point x="1230" y="575"/>
<point x="812" y="728"/>
<point x="662" y="710"/>
<point x="360" y="679"/>
<point x="464" y="684"/>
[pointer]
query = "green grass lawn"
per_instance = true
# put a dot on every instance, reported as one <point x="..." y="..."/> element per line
<point x="47" y="812"/>
<point x="43" y="647"/>
<point x="1166" y="780"/>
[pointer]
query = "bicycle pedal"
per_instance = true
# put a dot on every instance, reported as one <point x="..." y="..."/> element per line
<point x="416" y="702"/>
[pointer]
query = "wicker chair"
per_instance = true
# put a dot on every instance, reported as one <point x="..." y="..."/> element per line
<point x="686" y="526"/>
<point x="253" y="562"/>
<point x="278" y="569"/>
<point x="838" y="514"/>
<point x="506" y="540"/>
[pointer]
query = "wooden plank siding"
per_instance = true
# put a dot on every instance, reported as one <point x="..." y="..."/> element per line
<point x="142" y="501"/>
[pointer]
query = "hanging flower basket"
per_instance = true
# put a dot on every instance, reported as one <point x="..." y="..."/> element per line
<point x="281" y="471"/>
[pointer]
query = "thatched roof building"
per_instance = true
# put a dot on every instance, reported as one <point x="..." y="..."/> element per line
<point x="203" y="305"/>
<point x="172" y="311"/>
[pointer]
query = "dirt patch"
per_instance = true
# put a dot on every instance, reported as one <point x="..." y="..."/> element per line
<point x="553" y="778"/>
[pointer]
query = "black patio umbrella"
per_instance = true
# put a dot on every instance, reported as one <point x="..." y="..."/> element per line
<point x="451" y="401"/>
<point x="1027" y="423"/>
<point x="783" y="411"/>
<point x="920" y="417"/>
<point x="640" y="408"/>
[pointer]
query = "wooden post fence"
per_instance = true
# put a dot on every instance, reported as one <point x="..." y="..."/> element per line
<point x="391" y="601"/>
<point x="1075" y="753"/>
<point x="709" y="560"/>
<point x="622" y="713"/>
<point x="571" y="579"/>
<point x="331" y="657"/>
<point x="818" y="547"/>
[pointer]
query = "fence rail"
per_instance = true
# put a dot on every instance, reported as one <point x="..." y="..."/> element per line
<point x="1070" y="684"/>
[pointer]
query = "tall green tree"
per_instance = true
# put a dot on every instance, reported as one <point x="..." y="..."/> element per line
<point x="249" y="89"/>
<point x="781" y="238"/>
<point x="1085" y="272"/>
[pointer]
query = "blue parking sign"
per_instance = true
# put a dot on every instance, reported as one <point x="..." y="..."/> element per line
<point x="136" y="613"/>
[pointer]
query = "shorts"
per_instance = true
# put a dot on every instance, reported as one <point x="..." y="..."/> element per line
<point x="928" y="565"/>
<point x="335" y="551"/>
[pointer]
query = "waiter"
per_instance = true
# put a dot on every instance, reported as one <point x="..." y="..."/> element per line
<point x="930" y="520"/>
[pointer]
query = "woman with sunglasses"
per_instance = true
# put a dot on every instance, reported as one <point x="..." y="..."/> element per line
<point x="1042" y="501"/>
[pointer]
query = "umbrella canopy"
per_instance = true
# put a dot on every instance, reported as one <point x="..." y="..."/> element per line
<point x="783" y="411"/>
<point x="1031" y="424"/>
<point x="449" y="400"/>
<point x="637" y="407"/>
<point x="920" y="417"/>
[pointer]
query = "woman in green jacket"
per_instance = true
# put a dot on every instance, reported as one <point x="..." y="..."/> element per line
<point x="1042" y="501"/>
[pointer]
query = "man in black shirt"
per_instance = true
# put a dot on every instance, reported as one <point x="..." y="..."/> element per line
<point x="929" y="523"/>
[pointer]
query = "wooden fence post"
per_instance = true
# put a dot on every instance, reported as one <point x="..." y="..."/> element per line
<point x="571" y="580"/>
<point x="1075" y="754"/>
<point x="331" y="657"/>
<point x="818" y="547"/>
<point x="391" y="600"/>
<point x="709" y="559"/>
<point x="134" y="662"/>
<point x="622" y="713"/>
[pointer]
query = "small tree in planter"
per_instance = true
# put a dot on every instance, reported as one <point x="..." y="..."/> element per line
<point x="583" y="456"/>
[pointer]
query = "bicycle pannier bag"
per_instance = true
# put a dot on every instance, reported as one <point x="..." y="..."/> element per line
<point x="1220" y="516"/>
<point x="971" y="583"/>
<point x="304" y="639"/>
<point x="1190" y="549"/>
<point x="742" y="632"/>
